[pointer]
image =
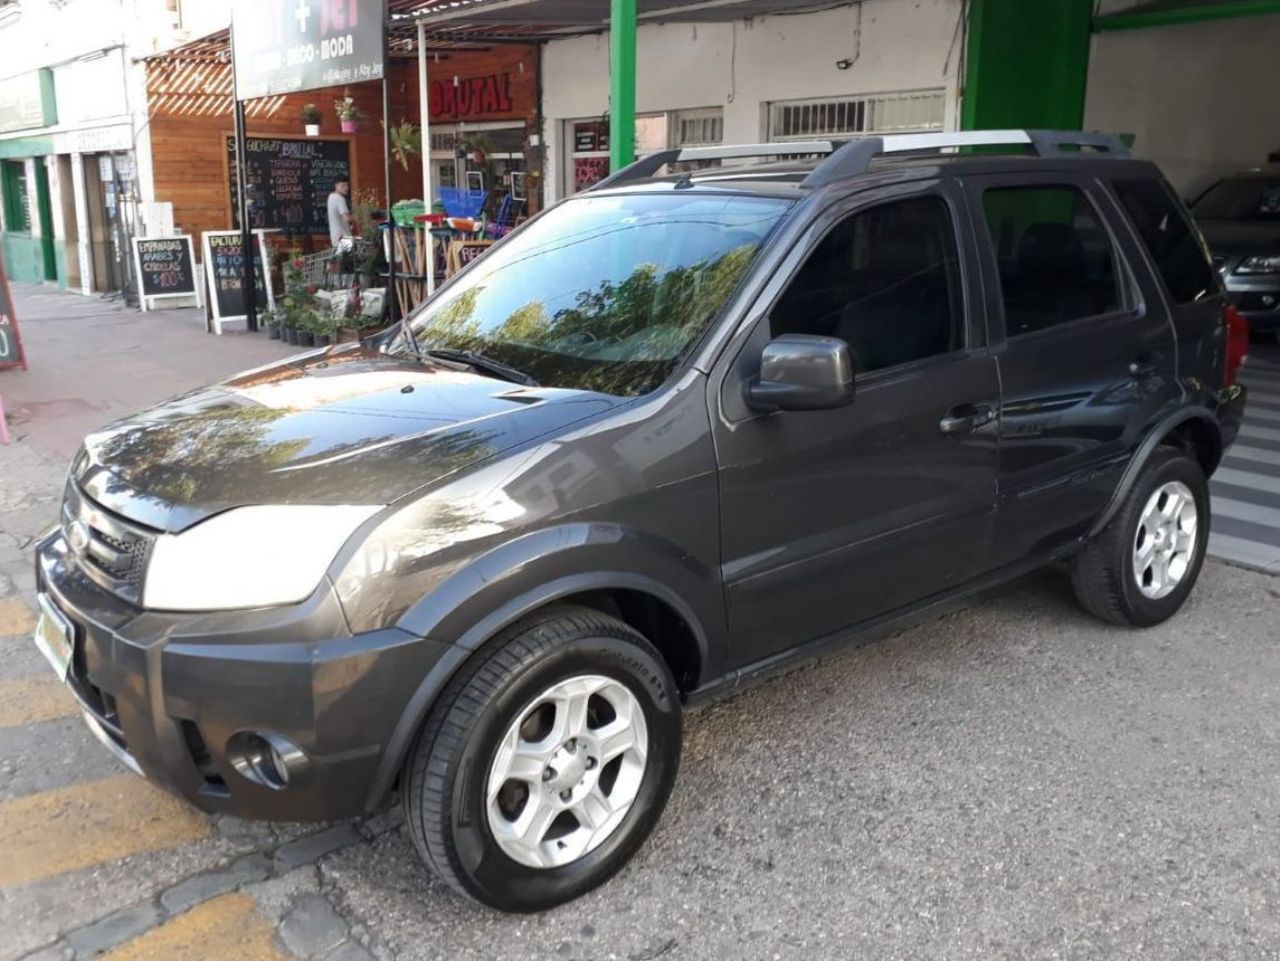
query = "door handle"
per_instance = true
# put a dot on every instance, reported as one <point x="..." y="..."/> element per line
<point x="966" y="417"/>
<point x="1143" y="367"/>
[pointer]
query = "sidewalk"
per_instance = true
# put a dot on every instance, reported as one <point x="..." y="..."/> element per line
<point x="91" y="361"/>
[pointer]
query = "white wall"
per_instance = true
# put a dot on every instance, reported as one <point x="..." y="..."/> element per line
<point x="1201" y="98"/>
<point x="895" y="44"/>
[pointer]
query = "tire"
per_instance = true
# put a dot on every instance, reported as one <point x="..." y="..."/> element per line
<point x="465" y="827"/>
<point x="1105" y="575"/>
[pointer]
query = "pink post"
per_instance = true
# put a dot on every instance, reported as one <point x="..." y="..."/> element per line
<point x="4" y="424"/>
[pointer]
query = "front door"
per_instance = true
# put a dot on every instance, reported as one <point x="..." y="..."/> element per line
<point x="1085" y="364"/>
<point x="833" y="518"/>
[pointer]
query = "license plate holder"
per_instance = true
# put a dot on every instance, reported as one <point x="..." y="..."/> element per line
<point x="55" y="637"/>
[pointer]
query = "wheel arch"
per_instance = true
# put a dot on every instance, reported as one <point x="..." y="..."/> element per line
<point x="1192" y="429"/>
<point x="648" y="604"/>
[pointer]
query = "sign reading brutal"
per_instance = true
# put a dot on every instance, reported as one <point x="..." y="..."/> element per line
<point x="224" y="268"/>
<point x="284" y="46"/>
<point x="471" y="97"/>
<point x="289" y="182"/>
<point x="10" y="340"/>
<point x="166" y="267"/>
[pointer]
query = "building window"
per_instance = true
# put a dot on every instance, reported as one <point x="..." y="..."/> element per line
<point x="17" y="202"/>
<point x="912" y="110"/>
<point x="698" y="128"/>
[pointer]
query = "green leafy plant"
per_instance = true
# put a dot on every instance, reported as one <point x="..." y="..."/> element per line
<point x="310" y="114"/>
<point x="406" y="141"/>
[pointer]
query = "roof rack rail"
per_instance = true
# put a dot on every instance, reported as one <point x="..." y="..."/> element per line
<point x="646" y="167"/>
<point x="856" y="155"/>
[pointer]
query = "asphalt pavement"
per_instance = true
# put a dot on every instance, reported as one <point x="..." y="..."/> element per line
<point x="1014" y="780"/>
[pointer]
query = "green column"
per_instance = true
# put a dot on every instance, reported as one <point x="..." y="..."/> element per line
<point x="1026" y="64"/>
<point x="622" y="81"/>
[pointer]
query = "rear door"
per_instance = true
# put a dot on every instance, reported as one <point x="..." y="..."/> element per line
<point x="1086" y="361"/>
<point x="1187" y="285"/>
<point x="830" y="518"/>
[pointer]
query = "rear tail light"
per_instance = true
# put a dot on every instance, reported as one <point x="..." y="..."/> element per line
<point x="1237" y="344"/>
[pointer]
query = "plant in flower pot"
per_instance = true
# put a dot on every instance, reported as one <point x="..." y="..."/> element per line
<point x="275" y="323"/>
<point x="406" y="141"/>
<point x="349" y="115"/>
<point x="311" y="118"/>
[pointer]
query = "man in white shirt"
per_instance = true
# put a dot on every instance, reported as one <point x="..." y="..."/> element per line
<point x="340" y="216"/>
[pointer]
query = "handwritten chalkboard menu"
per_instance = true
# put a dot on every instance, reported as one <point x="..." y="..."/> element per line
<point x="10" y="340"/>
<point x="166" y="267"/>
<point x="289" y="182"/>
<point x="224" y="268"/>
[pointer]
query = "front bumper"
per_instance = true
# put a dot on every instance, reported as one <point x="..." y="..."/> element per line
<point x="166" y="693"/>
<point x="1257" y="298"/>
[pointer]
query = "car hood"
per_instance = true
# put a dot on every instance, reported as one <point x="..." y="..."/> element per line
<point x="348" y="425"/>
<point x="1241" y="237"/>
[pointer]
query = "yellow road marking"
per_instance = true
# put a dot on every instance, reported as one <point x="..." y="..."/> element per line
<point x="226" y="928"/>
<point x="16" y="617"/>
<point x="90" y="823"/>
<point x="36" y="697"/>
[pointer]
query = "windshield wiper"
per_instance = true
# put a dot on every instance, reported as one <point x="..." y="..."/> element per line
<point x="482" y="363"/>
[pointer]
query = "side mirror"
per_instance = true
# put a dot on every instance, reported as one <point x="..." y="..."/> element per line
<point x="802" y="372"/>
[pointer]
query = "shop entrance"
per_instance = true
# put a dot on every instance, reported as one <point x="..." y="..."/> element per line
<point x="109" y="188"/>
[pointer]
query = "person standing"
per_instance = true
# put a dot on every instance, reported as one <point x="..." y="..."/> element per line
<point x="340" y="216"/>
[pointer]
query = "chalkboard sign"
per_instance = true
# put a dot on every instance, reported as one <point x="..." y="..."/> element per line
<point x="166" y="267"/>
<point x="224" y="268"/>
<point x="11" y="354"/>
<point x="289" y="182"/>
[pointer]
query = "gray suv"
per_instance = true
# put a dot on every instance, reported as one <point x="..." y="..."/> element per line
<point x="669" y="437"/>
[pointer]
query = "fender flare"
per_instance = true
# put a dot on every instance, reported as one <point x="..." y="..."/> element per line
<point x="459" y="652"/>
<point x="1154" y="438"/>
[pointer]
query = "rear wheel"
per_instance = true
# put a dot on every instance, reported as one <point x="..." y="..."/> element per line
<point x="547" y="763"/>
<point x="1143" y="565"/>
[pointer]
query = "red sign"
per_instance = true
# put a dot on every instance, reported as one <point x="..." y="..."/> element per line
<point x="11" y="354"/>
<point x="471" y="97"/>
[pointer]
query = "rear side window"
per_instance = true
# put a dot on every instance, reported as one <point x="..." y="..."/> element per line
<point x="1055" y="258"/>
<point x="885" y="280"/>
<point x="1170" y="240"/>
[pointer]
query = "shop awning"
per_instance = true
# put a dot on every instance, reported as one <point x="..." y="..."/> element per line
<point x="528" y="20"/>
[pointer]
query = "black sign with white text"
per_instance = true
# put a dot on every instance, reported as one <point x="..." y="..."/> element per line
<point x="284" y="46"/>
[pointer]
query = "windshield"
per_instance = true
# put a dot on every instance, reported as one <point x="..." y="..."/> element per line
<point x="602" y="293"/>
<point x="1241" y="198"/>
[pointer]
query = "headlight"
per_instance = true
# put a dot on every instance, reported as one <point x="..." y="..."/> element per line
<point x="248" y="557"/>
<point x="1260" y="265"/>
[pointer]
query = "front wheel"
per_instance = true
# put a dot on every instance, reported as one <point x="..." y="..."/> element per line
<point x="1142" y="566"/>
<point x="546" y="763"/>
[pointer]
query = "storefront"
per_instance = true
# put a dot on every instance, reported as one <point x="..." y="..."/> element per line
<point x="483" y="105"/>
<point x="27" y="106"/>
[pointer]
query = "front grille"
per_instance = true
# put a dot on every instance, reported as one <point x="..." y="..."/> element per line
<point x="1253" y="301"/>
<point x="112" y="551"/>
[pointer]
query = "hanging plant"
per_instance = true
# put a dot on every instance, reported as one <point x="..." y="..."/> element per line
<point x="349" y="115"/>
<point x="406" y="141"/>
<point x="311" y="117"/>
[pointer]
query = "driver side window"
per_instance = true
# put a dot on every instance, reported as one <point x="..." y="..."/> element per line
<point x="886" y="281"/>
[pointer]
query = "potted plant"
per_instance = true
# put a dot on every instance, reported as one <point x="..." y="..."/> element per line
<point x="311" y="118"/>
<point x="274" y="324"/>
<point x="349" y="115"/>
<point x="479" y="145"/>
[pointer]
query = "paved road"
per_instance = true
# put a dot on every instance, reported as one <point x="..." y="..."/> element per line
<point x="1246" y="489"/>
<point x="1012" y="781"/>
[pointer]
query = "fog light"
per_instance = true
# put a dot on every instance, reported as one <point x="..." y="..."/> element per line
<point x="266" y="759"/>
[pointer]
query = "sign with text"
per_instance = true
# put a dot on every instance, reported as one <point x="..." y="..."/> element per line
<point x="469" y="97"/>
<point x="289" y="182"/>
<point x="285" y="46"/>
<point x="11" y="354"/>
<point x="166" y="267"/>
<point x="224" y="269"/>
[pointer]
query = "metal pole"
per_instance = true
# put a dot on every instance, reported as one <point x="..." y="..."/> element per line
<point x="247" y="279"/>
<point x="392" y="300"/>
<point x="424" y="126"/>
<point x="622" y="81"/>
